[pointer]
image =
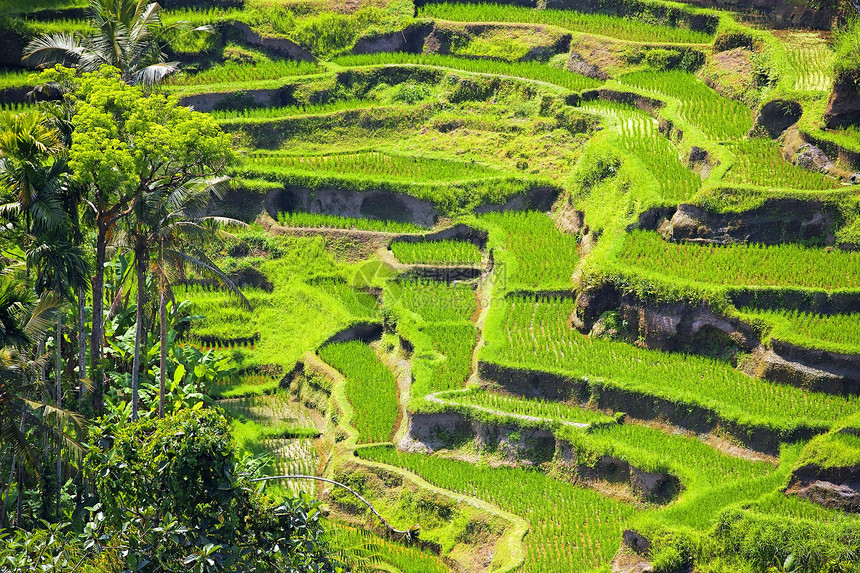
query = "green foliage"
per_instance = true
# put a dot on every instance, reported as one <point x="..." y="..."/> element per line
<point x="847" y="48"/>
<point x="124" y="139"/>
<point x="554" y="508"/>
<point x="718" y="117"/>
<point x="622" y="28"/>
<point x="759" y="162"/>
<point x="172" y="494"/>
<point x="534" y="254"/>
<point x="370" y="387"/>
<point x="768" y="543"/>
<point x="317" y="220"/>
<point x="743" y="265"/>
<point x="530" y="70"/>
<point x="436" y="252"/>
<point x="534" y="333"/>
<point x="49" y="548"/>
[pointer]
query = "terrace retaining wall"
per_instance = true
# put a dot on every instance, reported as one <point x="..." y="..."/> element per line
<point x="442" y="274"/>
<point x="810" y="368"/>
<point x="778" y="220"/>
<point x="410" y="40"/>
<point x="447" y="430"/>
<point x="847" y="156"/>
<point x="535" y="199"/>
<point x="349" y="203"/>
<point x="834" y="487"/>
<point x="458" y="232"/>
<point x="365" y="332"/>
<point x="656" y="487"/>
<point x="690" y="416"/>
<point x="527" y="446"/>
<point x="776" y="13"/>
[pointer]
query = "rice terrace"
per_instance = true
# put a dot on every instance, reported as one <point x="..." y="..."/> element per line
<point x="427" y="286"/>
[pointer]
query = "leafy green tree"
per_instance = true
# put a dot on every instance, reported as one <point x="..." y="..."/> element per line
<point x="173" y="496"/>
<point x="127" y="148"/>
<point x="125" y="38"/>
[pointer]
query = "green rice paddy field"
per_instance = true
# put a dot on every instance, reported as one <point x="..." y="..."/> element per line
<point x="562" y="168"/>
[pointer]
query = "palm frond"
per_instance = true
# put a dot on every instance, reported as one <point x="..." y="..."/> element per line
<point x="202" y="263"/>
<point x="42" y="318"/>
<point x="154" y="73"/>
<point x="63" y="48"/>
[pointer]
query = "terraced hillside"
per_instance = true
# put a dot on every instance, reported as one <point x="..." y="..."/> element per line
<point x="572" y="287"/>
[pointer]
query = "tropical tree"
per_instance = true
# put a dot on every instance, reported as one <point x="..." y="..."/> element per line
<point x="125" y="38"/>
<point x="130" y="149"/>
<point x="62" y="270"/>
<point x="21" y="385"/>
<point x="30" y="170"/>
<point x="178" y="236"/>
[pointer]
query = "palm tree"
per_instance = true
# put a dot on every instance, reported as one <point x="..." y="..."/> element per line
<point x="167" y="236"/>
<point x="20" y="383"/>
<point x="27" y="143"/>
<point x="179" y="236"/>
<point x="124" y="38"/>
<point x="62" y="270"/>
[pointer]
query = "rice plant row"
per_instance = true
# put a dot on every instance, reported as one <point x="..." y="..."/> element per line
<point x="433" y="301"/>
<point x="807" y="329"/>
<point x="570" y="528"/>
<point x="448" y="363"/>
<point x="537" y="254"/>
<point x="357" y="302"/>
<point x="718" y="117"/>
<point x="622" y="28"/>
<point x="641" y="137"/>
<point x="436" y="253"/>
<point x="759" y="162"/>
<point x="370" y="388"/>
<point x="528" y="407"/>
<point x="532" y="332"/>
<point x="402" y="558"/>
<point x="786" y="265"/>
<point x="443" y="334"/>
<point x="232" y="72"/>
<point x="198" y="16"/>
<point x="396" y="167"/>
<point x="321" y="221"/>
<point x="811" y="58"/>
<point x="292" y="110"/>
<point x="526" y="70"/>
<point x="17" y="107"/>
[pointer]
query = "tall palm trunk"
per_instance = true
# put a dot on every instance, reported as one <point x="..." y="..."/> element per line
<point x="82" y="341"/>
<point x="140" y="264"/>
<point x="59" y="396"/>
<point x="162" y="365"/>
<point x="97" y="334"/>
